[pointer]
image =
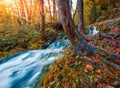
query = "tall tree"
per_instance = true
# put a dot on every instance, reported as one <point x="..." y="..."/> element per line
<point x="54" y="11"/>
<point x="50" y="10"/>
<point x="80" y="16"/>
<point x="31" y="10"/>
<point x="42" y="21"/>
<point x="24" y="9"/>
<point x="73" y="33"/>
<point x="66" y="19"/>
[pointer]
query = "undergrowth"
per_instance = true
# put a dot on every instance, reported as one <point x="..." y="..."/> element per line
<point x="26" y="37"/>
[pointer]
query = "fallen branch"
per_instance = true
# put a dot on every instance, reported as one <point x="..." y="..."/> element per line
<point x="106" y="22"/>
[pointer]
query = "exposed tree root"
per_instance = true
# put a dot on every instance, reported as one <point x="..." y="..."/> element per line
<point x="103" y="35"/>
<point x="115" y="66"/>
<point x="113" y="56"/>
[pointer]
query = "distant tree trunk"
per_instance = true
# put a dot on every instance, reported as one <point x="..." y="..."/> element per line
<point x="26" y="10"/>
<point x="31" y="10"/>
<point x="21" y="12"/>
<point x="54" y="11"/>
<point x="42" y="21"/>
<point x="50" y="10"/>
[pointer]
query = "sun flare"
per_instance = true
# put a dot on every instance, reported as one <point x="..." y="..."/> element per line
<point x="8" y="1"/>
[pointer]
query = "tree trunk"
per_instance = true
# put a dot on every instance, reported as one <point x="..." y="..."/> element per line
<point x="80" y="6"/>
<point x="54" y="11"/>
<point x="66" y="19"/>
<point x="80" y="16"/>
<point x="50" y="10"/>
<point x="42" y="21"/>
<point x="31" y="10"/>
<point x="69" y="27"/>
<point x="24" y="9"/>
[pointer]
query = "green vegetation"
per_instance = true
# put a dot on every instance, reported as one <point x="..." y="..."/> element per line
<point x="25" y="37"/>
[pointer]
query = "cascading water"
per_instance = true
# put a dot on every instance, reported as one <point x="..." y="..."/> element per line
<point x="92" y="32"/>
<point x="23" y="70"/>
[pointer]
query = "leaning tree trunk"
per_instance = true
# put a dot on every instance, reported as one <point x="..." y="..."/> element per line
<point x="66" y="19"/>
<point x="68" y="24"/>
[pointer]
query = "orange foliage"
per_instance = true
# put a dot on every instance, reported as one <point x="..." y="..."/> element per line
<point x="89" y="67"/>
<point x="99" y="71"/>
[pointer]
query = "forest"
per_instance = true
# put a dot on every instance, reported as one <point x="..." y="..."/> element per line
<point x="59" y="43"/>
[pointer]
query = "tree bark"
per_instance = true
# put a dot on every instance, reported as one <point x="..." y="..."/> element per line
<point x="66" y="19"/>
<point x="54" y="11"/>
<point x="42" y="21"/>
<point x="80" y="16"/>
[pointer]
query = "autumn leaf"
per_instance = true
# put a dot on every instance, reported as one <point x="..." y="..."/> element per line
<point x="62" y="85"/>
<point x="96" y="57"/>
<point x="72" y="60"/>
<point x="89" y="67"/>
<point x="99" y="71"/>
<point x="118" y="49"/>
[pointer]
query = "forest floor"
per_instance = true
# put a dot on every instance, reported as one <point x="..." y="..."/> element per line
<point x="81" y="71"/>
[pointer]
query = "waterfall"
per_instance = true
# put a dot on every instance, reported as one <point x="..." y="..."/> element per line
<point x="23" y="70"/>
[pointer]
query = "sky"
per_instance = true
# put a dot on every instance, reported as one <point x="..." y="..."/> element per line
<point x="74" y="4"/>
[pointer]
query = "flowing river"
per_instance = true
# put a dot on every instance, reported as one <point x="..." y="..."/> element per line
<point x="23" y="70"/>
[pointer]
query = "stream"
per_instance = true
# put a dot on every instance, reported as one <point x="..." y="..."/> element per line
<point x="23" y="70"/>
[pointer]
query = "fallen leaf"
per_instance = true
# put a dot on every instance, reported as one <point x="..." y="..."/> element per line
<point x="89" y="67"/>
<point x="99" y="71"/>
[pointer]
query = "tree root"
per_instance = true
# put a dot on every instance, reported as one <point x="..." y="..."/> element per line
<point x="103" y="35"/>
<point x="109" y="56"/>
<point x="115" y="66"/>
<point x="113" y="56"/>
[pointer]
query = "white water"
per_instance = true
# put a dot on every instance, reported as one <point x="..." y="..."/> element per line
<point x="23" y="70"/>
<point x="92" y="32"/>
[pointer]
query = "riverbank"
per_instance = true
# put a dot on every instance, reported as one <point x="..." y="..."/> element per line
<point x="26" y="37"/>
<point x="28" y="65"/>
<point x="81" y="71"/>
